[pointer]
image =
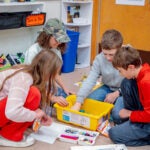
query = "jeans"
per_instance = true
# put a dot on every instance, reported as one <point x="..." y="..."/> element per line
<point x="61" y="92"/>
<point x="131" y="134"/>
<point x="128" y="133"/>
<point x="100" y="94"/>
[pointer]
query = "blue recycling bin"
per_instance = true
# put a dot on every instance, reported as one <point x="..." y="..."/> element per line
<point x="69" y="57"/>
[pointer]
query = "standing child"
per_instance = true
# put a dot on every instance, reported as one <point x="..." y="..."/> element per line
<point x="52" y="37"/>
<point x="102" y="66"/>
<point x="136" y="94"/>
<point x="23" y="89"/>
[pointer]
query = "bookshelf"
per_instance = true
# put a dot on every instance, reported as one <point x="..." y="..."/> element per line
<point x="77" y="15"/>
<point x="18" y="39"/>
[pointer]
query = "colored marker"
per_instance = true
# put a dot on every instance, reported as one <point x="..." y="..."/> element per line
<point x="69" y="137"/>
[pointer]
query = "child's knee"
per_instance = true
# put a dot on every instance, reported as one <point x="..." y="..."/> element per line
<point x="35" y="92"/>
<point x="112" y="135"/>
<point x="33" y="98"/>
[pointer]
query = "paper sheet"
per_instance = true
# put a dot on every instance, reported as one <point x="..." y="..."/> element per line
<point x="131" y="2"/>
<point x="48" y="134"/>
<point x="51" y="133"/>
<point x="101" y="147"/>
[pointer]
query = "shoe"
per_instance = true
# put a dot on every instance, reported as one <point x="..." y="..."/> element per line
<point x="27" y="141"/>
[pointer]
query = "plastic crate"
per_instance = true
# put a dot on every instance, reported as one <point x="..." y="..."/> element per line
<point x="69" y="57"/>
<point x="95" y="113"/>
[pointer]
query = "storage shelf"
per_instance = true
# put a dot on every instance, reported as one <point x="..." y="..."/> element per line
<point x="23" y="28"/>
<point x="21" y="6"/>
<point x="20" y="3"/>
<point x="14" y="40"/>
<point x="83" y="26"/>
<point x="77" y="2"/>
<point x="75" y="24"/>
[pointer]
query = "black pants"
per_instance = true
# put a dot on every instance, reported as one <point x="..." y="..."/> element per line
<point x="130" y="95"/>
<point x="129" y="133"/>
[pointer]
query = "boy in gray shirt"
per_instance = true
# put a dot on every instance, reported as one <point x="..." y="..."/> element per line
<point x="102" y="66"/>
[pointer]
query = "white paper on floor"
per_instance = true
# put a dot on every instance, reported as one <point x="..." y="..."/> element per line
<point x="48" y="134"/>
<point x="100" y="147"/>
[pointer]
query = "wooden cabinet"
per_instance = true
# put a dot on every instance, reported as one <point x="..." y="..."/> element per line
<point x="132" y="21"/>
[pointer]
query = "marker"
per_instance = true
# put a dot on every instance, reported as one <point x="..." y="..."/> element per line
<point x="69" y="137"/>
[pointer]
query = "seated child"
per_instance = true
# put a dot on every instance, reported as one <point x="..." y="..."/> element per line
<point x="52" y="37"/>
<point x="136" y="94"/>
<point x="24" y="96"/>
<point x="102" y="66"/>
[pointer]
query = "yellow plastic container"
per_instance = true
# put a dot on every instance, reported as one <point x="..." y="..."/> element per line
<point x="95" y="112"/>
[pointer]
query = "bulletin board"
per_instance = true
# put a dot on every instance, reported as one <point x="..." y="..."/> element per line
<point x="132" y="21"/>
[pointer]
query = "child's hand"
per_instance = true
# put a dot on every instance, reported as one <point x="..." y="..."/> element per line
<point x="39" y="114"/>
<point x="42" y="117"/>
<point x="125" y="113"/>
<point x="46" y="120"/>
<point x="76" y="106"/>
<point x="60" y="100"/>
<point x="111" y="97"/>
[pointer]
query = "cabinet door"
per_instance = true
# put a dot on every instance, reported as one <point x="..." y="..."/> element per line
<point x="132" y="21"/>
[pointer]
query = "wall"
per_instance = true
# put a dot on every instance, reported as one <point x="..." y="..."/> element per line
<point x="20" y="39"/>
<point x="95" y="29"/>
<point x="53" y="8"/>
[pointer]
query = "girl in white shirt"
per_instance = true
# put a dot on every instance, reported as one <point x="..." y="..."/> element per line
<point x="53" y="37"/>
<point x="24" y="95"/>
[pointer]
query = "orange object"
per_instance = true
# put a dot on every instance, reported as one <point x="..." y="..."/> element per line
<point x="36" y="125"/>
<point x="35" y="19"/>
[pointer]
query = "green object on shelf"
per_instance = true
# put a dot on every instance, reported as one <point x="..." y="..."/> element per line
<point x="5" y="67"/>
<point x="4" y="64"/>
<point x="21" y="56"/>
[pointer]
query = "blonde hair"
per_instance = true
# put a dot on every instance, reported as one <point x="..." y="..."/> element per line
<point x="43" y="69"/>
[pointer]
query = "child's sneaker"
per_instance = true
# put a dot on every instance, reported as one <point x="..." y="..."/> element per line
<point x="27" y="141"/>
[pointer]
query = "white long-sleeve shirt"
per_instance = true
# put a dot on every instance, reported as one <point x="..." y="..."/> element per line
<point x="34" y="50"/>
<point x="16" y="89"/>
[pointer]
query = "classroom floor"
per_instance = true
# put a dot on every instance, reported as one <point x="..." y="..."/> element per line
<point x="69" y="79"/>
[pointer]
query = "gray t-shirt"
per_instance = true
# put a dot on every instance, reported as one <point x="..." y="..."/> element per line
<point x="101" y="67"/>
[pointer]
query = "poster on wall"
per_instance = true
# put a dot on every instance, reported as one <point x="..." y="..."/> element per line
<point x="131" y="2"/>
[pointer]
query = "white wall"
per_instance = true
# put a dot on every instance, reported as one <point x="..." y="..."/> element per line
<point x="53" y="8"/>
<point x="20" y="39"/>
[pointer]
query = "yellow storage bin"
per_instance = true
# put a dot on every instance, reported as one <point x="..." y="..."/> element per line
<point x="95" y="112"/>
